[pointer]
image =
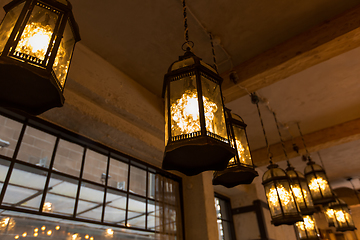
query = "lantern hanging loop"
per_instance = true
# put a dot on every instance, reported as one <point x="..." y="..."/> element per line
<point x="186" y="29"/>
<point x="255" y="100"/>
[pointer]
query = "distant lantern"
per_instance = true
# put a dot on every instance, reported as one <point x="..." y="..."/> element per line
<point x="196" y="137"/>
<point x="342" y="216"/>
<point x="281" y="200"/>
<point x="306" y="229"/>
<point x="240" y="169"/>
<point x="301" y="191"/>
<point x="318" y="183"/>
<point x="330" y="216"/>
<point x="37" y="39"/>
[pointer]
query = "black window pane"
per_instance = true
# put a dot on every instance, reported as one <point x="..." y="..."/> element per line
<point x="68" y="158"/>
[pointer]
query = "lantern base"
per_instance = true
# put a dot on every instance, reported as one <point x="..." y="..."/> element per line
<point x="196" y="155"/>
<point x="286" y="220"/>
<point x="308" y="211"/>
<point x="344" y="229"/>
<point x="324" y="201"/>
<point x="234" y="176"/>
<point x="28" y="91"/>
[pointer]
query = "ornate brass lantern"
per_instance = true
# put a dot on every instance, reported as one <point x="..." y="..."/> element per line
<point x="280" y="197"/>
<point x="306" y="229"/>
<point x="318" y="183"/>
<point x="240" y="169"/>
<point x="196" y="136"/>
<point x="301" y="191"/>
<point x="330" y="216"/>
<point x="37" y="39"/>
<point x="343" y="218"/>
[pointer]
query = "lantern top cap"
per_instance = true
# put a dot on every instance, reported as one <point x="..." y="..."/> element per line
<point x="274" y="172"/>
<point x="187" y="60"/>
<point x="312" y="166"/>
<point x="292" y="173"/>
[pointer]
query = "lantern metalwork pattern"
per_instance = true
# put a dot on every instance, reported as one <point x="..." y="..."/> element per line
<point x="330" y="216"/>
<point x="37" y="39"/>
<point x="240" y="169"/>
<point x="281" y="200"/>
<point x="306" y="229"/>
<point x="318" y="184"/>
<point x="342" y="215"/>
<point x="301" y="191"/>
<point x="196" y="136"/>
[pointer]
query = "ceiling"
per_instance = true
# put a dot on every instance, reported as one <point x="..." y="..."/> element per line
<point x="142" y="39"/>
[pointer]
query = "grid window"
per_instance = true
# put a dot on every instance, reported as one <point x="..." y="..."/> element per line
<point x="51" y="172"/>
<point x="224" y="218"/>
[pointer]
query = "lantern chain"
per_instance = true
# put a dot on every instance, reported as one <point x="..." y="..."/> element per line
<point x="186" y="28"/>
<point x="255" y="100"/>
<point x="213" y="50"/>
<point x="322" y="163"/>
<point x="281" y="139"/>
<point x="302" y="137"/>
<point x="356" y="193"/>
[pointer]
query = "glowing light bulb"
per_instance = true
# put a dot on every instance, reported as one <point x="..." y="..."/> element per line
<point x="16" y="237"/>
<point x="34" y="40"/>
<point x="86" y="236"/>
<point x="185" y="113"/>
<point x="92" y="238"/>
<point x="49" y="232"/>
<point x="24" y="234"/>
<point x="330" y="213"/>
<point x="315" y="183"/>
<point x="47" y="207"/>
<point x="74" y="236"/>
<point x="36" y="230"/>
<point x="340" y="216"/>
<point x="36" y="234"/>
<point x="43" y="228"/>
<point x="109" y="231"/>
<point x="57" y="227"/>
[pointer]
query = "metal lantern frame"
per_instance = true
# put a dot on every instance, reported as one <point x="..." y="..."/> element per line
<point x="29" y="83"/>
<point x="277" y="180"/>
<point x="317" y="173"/>
<point x="298" y="180"/>
<point x="194" y="152"/>
<point x="329" y="215"/>
<point x="307" y="229"/>
<point x="236" y="172"/>
<point x="341" y="210"/>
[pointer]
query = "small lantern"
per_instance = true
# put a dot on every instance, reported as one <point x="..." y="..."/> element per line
<point x="301" y="191"/>
<point x="37" y="39"/>
<point x="281" y="200"/>
<point x="196" y="137"/>
<point x="240" y="169"/>
<point x="306" y="229"/>
<point x="343" y="218"/>
<point x="330" y="216"/>
<point x="318" y="183"/>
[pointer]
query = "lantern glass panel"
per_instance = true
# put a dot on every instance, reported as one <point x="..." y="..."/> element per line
<point x="208" y="66"/>
<point x="330" y="216"/>
<point x="63" y="56"/>
<point x="184" y="106"/>
<point x="213" y="110"/>
<point x="280" y="194"/>
<point x="318" y="185"/>
<point x="166" y="118"/>
<point x="8" y="24"/>
<point x="307" y="229"/>
<point x="36" y="36"/>
<point x="343" y="218"/>
<point x="242" y="146"/>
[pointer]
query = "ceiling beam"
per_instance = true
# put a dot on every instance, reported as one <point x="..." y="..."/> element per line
<point x="317" y="45"/>
<point x="315" y="141"/>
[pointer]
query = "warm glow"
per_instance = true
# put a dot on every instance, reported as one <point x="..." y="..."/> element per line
<point x="35" y="40"/>
<point x="299" y="195"/>
<point x="86" y="236"/>
<point x="49" y="232"/>
<point x="109" y="231"/>
<point x="36" y="234"/>
<point x="74" y="236"/>
<point x="7" y="222"/>
<point x="330" y="213"/>
<point x="308" y="224"/>
<point x="92" y="238"/>
<point x="43" y="228"/>
<point x="315" y="183"/>
<point x="24" y="234"/>
<point x="284" y="194"/>
<point x="36" y="230"/>
<point x="341" y="216"/>
<point x="16" y="237"/>
<point x="57" y="227"/>
<point x="185" y="113"/>
<point x="47" y="207"/>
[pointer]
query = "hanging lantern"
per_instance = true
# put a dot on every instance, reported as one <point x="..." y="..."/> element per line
<point x="281" y="200"/>
<point x="240" y="169"/>
<point x="306" y="229"/>
<point x="343" y="218"/>
<point x="37" y="39"/>
<point x="196" y="136"/>
<point x="301" y="191"/>
<point x="318" y="183"/>
<point x="330" y="216"/>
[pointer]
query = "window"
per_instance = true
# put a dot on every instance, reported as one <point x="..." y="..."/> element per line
<point x="224" y="218"/>
<point x="48" y="173"/>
